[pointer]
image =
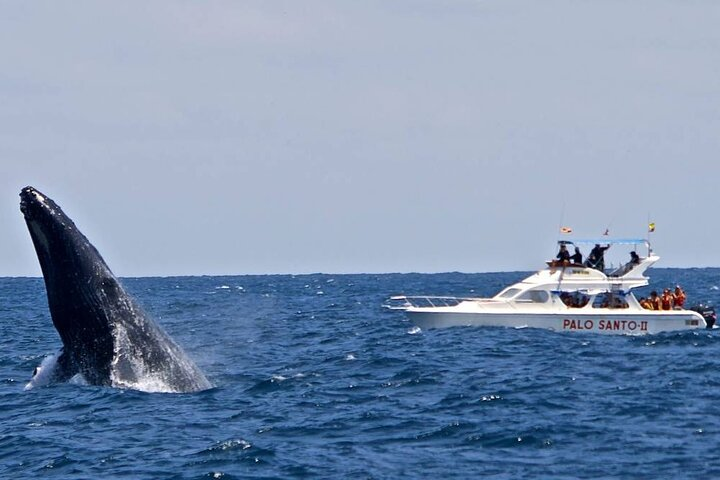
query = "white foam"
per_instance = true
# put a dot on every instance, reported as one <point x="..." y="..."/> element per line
<point x="146" y="383"/>
<point x="232" y="444"/>
<point x="130" y="371"/>
<point x="127" y="370"/>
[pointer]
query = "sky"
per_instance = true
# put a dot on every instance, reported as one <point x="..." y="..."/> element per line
<point x="261" y="137"/>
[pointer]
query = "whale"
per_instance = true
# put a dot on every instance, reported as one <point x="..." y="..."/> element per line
<point x="107" y="338"/>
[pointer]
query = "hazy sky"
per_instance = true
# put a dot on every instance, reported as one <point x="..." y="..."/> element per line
<point x="233" y="137"/>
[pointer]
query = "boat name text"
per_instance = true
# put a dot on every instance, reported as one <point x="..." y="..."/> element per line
<point x="610" y="325"/>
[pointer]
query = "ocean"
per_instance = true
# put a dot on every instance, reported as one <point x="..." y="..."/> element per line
<point x="313" y="378"/>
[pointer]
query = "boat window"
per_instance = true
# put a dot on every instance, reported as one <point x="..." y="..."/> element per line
<point x="508" y="293"/>
<point x="610" y="300"/>
<point x="574" y="299"/>
<point x="535" y="296"/>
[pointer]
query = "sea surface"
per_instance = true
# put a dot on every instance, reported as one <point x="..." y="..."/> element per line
<point x="315" y="379"/>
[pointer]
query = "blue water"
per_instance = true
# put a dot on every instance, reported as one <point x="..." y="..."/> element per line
<point x="314" y="379"/>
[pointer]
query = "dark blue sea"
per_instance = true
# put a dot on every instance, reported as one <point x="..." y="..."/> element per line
<point x="315" y="379"/>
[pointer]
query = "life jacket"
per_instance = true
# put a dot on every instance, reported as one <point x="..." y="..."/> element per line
<point x="654" y="303"/>
<point x="666" y="301"/>
<point x="679" y="299"/>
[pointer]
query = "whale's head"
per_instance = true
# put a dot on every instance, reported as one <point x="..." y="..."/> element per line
<point x="35" y="205"/>
<point x="42" y="215"/>
<point x="57" y="241"/>
<point x="40" y="209"/>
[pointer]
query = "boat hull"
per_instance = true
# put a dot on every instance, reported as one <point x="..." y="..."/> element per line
<point x="610" y="322"/>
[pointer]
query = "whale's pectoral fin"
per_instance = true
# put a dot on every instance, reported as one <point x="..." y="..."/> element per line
<point x="57" y="368"/>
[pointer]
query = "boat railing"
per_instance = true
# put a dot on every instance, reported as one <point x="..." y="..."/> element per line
<point x="403" y="302"/>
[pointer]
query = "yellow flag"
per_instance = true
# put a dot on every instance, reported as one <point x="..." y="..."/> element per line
<point x="651" y="227"/>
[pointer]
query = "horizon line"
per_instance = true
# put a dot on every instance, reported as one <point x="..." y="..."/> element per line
<point x="298" y="274"/>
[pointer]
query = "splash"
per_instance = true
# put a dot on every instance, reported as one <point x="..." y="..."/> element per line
<point x="131" y="370"/>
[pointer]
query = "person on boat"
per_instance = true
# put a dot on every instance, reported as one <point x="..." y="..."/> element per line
<point x="634" y="258"/>
<point x="645" y="303"/>
<point x="591" y="260"/>
<point x="563" y="255"/>
<point x="605" y="302"/>
<point x="666" y="300"/>
<point x="620" y="302"/>
<point x="576" y="257"/>
<point x="567" y="299"/>
<point x="679" y="298"/>
<point x="596" y="259"/>
<point x="654" y="301"/>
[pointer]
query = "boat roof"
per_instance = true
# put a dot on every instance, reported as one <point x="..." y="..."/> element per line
<point x="606" y="241"/>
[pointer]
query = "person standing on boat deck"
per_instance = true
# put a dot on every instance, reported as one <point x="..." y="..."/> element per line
<point x="679" y="298"/>
<point x="577" y="257"/>
<point x="666" y="300"/>
<point x="654" y="301"/>
<point x="563" y="255"/>
<point x="596" y="259"/>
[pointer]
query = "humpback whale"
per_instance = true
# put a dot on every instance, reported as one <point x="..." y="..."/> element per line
<point x="106" y="336"/>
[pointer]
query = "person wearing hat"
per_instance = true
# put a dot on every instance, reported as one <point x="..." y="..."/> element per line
<point x="596" y="259"/>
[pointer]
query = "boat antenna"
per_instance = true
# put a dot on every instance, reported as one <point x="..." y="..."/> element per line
<point x="649" y="229"/>
<point x="562" y="217"/>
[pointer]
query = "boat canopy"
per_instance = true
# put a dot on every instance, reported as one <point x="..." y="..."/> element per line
<point x="606" y="241"/>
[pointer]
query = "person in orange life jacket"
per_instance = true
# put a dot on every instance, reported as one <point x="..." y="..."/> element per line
<point x="679" y="298"/>
<point x="666" y="300"/>
<point x="654" y="301"/>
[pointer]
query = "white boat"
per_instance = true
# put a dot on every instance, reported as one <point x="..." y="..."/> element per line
<point x="562" y="297"/>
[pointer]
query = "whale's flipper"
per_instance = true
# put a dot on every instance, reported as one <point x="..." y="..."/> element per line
<point x="106" y="336"/>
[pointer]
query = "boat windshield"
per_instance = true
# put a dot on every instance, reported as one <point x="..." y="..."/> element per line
<point x="534" y="296"/>
<point x="508" y="293"/>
